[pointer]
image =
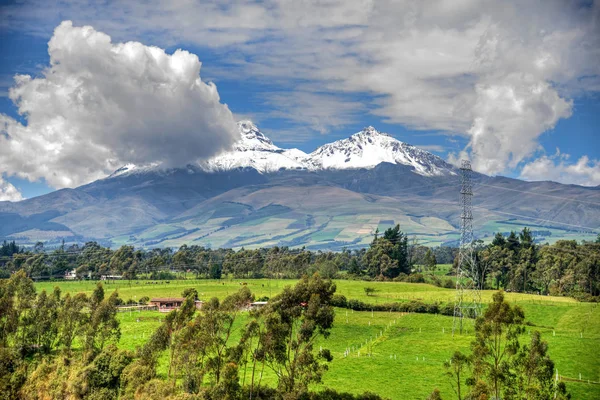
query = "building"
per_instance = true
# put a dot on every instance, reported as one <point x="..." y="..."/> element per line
<point x="167" y="304"/>
<point x="258" y="304"/>
<point x="71" y="275"/>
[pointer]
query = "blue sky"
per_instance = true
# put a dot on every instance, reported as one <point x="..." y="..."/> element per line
<point x="466" y="81"/>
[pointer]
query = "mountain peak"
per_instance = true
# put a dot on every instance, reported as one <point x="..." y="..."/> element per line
<point x="370" y="131"/>
<point x="250" y="132"/>
<point x="369" y="148"/>
<point x="365" y="149"/>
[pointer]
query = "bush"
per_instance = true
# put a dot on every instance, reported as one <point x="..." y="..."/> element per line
<point x="162" y="275"/>
<point x="339" y="300"/>
<point x="447" y="309"/>
<point x="369" y="291"/>
<point x="449" y="283"/>
<point x="412" y="306"/>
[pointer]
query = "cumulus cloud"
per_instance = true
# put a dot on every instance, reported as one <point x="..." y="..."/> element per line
<point x="557" y="168"/>
<point x="101" y="104"/>
<point x="498" y="73"/>
<point x="8" y="192"/>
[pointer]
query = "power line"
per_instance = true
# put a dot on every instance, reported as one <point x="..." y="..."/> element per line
<point x="541" y="194"/>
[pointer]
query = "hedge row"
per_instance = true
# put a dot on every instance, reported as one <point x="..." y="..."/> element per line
<point x="414" y="306"/>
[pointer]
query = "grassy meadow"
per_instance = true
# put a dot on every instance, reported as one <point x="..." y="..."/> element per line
<point x="406" y="350"/>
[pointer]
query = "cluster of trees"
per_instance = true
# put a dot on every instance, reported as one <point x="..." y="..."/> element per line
<point x="514" y="262"/>
<point x="54" y="346"/>
<point x="9" y="248"/>
<point x="518" y="264"/>
<point x="498" y="367"/>
<point x="34" y="326"/>
<point x="388" y="256"/>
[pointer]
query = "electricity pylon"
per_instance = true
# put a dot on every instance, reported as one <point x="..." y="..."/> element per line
<point x="468" y="282"/>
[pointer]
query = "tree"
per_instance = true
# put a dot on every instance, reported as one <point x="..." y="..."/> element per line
<point x="496" y="342"/>
<point x="499" y="240"/>
<point x="354" y="268"/>
<point x="499" y="261"/>
<point x="430" y="262"/>
<point x="498" y="367"/>
<point x="456" y="369"/>
<point x="71" y="319"/>
<point x="534" y="370"/>
<point x="216" y="323"/>
<point x="378" y="261"/>
<point x="102" y="324"/>
<point x="45" y="315"/>
<point x="293" y="320"/>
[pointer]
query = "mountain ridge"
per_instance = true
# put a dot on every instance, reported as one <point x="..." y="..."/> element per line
<point x="364" y="149"/>
<point x="336" y="197"/>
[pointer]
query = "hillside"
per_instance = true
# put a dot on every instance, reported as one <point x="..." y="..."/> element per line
<point x="259" y="194"/>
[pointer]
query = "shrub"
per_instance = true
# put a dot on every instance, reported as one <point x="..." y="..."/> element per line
<point x="369" y="290"/>
<point x="449" y="283"/>
<point x="339" y="300"/>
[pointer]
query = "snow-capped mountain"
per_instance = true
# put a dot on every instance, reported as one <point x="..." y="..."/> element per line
<point x="257" y="151"/>
<point x="365" y="149"/>
<point x="369" y="148"/>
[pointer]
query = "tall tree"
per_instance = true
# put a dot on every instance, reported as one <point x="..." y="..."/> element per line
<point x="496" y="342"/>
<point x="293" y="321"/>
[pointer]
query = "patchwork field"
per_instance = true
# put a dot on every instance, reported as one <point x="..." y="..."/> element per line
<point x="406" y="350"/>
<point x="302" y="219"/>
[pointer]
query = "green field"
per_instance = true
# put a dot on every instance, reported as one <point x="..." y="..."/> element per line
<point x="407" y="349"/>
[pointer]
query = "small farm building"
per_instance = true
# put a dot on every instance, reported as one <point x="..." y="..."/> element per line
<point x="166" y="304"/>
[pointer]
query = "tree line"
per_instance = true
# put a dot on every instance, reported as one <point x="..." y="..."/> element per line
<point x="517" y="263"/>
<point x="513" y="262"/>
<point x="389" y="256"/>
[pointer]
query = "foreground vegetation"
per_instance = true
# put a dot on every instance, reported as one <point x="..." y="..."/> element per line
<point x="397" y="355"/>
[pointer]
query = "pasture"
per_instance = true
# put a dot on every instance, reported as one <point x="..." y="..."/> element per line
<point x="397" y="355"/>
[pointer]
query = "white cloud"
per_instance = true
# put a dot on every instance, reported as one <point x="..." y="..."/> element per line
<point x="557" y="168"/>
<point x="431" y="147"/>
<point x="499" y="73"/>
<point x="8" y="192"/>
<point x="320" y="111"/>
<point x="100" y="105"/>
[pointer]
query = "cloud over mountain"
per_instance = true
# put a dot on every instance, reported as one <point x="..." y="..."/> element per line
<point x="101" y="104"/>
<point x="556" y="168"/>
<point x="8" y="191"/>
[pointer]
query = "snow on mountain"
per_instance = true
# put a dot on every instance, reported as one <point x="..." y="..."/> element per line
<point x="257" y="151"/>
<point x="365" y="149"/>
<point x="130" y="168"/>
<point x="127" y="168"/>
<point x="369" y="148"/>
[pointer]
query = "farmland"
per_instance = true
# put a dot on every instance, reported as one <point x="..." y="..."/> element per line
<point x="407" y="350"/>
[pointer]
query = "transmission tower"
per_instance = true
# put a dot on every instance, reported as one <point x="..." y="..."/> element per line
<point x="468" y="285"/>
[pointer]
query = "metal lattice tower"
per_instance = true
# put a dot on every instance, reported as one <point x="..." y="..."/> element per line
<point x="468" y="285"/>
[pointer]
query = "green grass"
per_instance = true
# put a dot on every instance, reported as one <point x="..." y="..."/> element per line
<point x="417" y="343"/>
<point x="386" y="291"/>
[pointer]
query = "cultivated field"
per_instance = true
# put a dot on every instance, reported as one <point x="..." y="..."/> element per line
<point x="407" y="350"/>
